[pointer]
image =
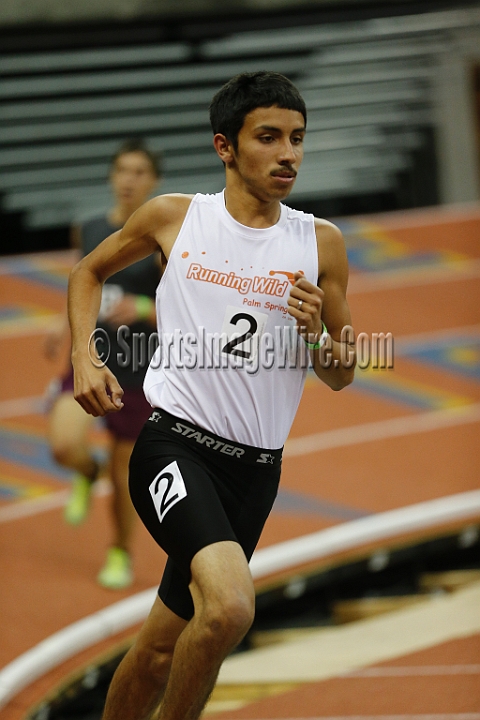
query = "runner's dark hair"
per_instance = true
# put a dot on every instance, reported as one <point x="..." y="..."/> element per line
<point x="248" y="91"/>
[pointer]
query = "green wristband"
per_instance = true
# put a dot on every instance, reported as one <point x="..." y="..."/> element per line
<point x="321" y="340"/>
<point x="143" y="306"/>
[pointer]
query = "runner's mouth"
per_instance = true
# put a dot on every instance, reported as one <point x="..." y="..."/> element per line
<point x="286" y="177"/>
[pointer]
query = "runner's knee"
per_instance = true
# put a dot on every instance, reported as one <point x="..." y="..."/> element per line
<point x="229" y="615"/>
<point x="154" y="660"/>
<point x="222" y="590"/>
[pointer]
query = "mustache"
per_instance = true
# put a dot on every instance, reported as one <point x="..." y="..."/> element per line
<point x="285" y="170"/>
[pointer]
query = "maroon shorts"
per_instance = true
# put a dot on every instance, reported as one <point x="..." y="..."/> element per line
<point x="127" y="422"/>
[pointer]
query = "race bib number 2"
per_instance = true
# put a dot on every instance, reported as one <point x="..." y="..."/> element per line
<point x="242" y="330"/>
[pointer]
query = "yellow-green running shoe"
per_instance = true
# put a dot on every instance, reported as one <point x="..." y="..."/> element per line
<point x="117" y="573"/>
<point x="78" y="505"/>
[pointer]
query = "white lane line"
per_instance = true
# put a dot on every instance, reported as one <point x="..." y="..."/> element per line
<point x="21" y="406"/>
<point x="72" y="640"/>
<point x="432" y="337"/>
<point x="367" y="530"/>
<point x="383" y="429"/>
<point x="50" y="501"/>
<point x="38" y="505"/>
<point x="415" y="670"/>
<point x="34" y="325"/>
<point x="455" y="271"/>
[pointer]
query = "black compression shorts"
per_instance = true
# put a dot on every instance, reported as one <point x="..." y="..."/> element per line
<point x="192" y="488"/>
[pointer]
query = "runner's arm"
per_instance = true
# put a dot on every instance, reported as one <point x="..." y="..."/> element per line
<point x="326" y="304"/>
<point x="151" y="227"/>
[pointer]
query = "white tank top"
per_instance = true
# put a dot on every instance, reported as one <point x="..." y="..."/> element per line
<point x="223" y="281"/>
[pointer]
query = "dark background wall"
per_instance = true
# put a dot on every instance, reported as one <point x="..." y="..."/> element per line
<point x="35" y="28"/>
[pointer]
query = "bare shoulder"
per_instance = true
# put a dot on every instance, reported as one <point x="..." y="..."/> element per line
<point x="332" y="254"/>
<point x="169" y="208"/>
<point x="327" y="233"/>
<point x="161" y="219"/>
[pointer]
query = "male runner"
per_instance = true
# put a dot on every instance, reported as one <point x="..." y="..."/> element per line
<point x="128" y="301"/>
<point x="249" y="285"/>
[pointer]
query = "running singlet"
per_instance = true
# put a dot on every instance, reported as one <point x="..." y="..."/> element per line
<point x="230" y="359"/>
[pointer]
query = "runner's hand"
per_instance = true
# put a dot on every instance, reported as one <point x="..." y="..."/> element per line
<point x="305" y="305"/>
<point x="96" y="389"/>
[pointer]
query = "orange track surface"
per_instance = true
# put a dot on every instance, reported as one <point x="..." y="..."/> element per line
<point x="414" y="275"/>
<point x="440" y="680"/>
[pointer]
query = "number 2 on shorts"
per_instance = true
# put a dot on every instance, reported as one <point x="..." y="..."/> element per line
<point x="167" y="488"/>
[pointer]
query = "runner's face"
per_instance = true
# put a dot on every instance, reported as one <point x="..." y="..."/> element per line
<point x="133" y="179"/>
<point x="270" y="151"/>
